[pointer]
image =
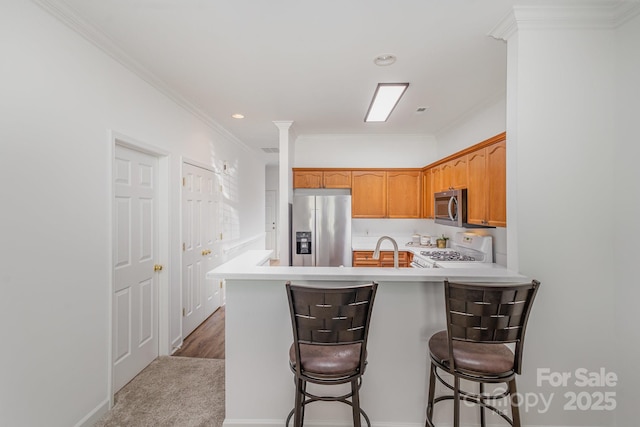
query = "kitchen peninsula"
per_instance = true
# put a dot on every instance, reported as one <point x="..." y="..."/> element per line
<point x="409" y="307"/>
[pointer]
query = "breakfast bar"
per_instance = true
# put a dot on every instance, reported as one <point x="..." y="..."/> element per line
<point x="409" y="308"/>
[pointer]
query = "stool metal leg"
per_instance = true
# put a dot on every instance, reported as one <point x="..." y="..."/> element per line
<point x="515" y="404"/>
<point x="456" y="402"/>
<point x="299" y="405"/>
<point x="432" y="392"/>
<point x="355" y="403"/>
<point x="482" y="419"/>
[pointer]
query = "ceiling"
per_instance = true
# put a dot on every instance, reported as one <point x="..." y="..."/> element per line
<point x="306" y="61"/>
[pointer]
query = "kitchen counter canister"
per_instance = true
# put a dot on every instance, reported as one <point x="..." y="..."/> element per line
<point x="409" y="307"/>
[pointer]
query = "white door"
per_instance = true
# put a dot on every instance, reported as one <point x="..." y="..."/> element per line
<point x="200" y="296"/>
<point x="135" y="253"/>
<point x="270" y="223"/>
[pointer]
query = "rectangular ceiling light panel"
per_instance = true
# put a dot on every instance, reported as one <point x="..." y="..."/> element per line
<point x="384" y="101"/>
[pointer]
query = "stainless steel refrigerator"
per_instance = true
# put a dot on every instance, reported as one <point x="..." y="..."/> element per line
<point x="321" y="228"/>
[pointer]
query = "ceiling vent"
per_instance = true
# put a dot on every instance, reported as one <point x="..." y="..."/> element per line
<point x="270" y="150"/>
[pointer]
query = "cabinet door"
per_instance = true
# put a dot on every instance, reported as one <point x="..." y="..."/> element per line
<point x="365" y="259"/>
<point x="386" y="259"/>
<point x="403" y="189"/>
<point x="427" y="194"/>
<point x="497" y="183"/>
<point x="459" y="172"/>
<point x="436" y="179"/>
<point x="368" y="194"/>
<point x="307" y="179"/>
<point x="477" y="187"/>
<point x="446" y="176"/>
<point x="337" y="179"/>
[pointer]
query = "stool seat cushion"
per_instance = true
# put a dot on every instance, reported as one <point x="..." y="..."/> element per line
<point x="495" y="359"/>
<point x="328" y="360"/>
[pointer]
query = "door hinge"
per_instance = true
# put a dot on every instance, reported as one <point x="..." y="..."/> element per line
<point x="220" y="284"/>
<point x="220" y="236"/>
<point x="184" y="181"/>
<point x="184" y="247"/>
<point x="183" y="312"/>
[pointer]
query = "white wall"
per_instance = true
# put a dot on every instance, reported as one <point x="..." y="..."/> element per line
<point x="365" y="151"/>
<point x="626" y="176"/>
<point x="563" y="72"/>
<point x="483" y="123"/>
<point x="61" y="97"/>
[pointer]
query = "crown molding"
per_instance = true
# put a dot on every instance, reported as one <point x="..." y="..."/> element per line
<point x="566" y="15"/>
<point x="68" y="16"/>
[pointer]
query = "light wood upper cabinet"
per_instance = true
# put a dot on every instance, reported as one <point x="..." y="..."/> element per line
<point x="497" y="182"/>
<point x="336" y="179"/>
<point x="368" y="194"/>
<point x="477" y="188"/>
<point x="486" y="190"/>
<point x="453" y="174"/>
<point x="307" y="179"/>
<point x="403" y="189"/>
<point x="320" y="178"/>
<point x="427" y="193"/>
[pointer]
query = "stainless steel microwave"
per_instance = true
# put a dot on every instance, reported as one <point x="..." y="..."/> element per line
<point x="450" y="208"/>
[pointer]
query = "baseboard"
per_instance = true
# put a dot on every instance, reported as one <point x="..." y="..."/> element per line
<point x="92" y="417"/>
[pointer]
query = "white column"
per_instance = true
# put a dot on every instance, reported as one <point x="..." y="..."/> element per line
<point x="285" y="188"/>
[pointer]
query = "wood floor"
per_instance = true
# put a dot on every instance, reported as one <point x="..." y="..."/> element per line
<point x="207" y="340"/>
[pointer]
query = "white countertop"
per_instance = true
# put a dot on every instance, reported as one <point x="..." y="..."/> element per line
<point x="248" y="266"/>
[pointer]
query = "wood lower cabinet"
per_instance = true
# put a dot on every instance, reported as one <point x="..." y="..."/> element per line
<point x="365" y="259"/>
<point x="321" y="178"/>
<point x="368" y="194"/>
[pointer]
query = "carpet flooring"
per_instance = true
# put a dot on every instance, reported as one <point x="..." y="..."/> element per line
<point x="171" y="391"/>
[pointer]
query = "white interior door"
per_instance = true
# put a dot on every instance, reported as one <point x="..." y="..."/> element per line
<point x="135" y="296"/>
<point x="270" y="223"/>
<point x="200" y="211"/>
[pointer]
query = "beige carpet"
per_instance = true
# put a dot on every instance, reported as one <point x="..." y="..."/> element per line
<point x="171" y="391"/>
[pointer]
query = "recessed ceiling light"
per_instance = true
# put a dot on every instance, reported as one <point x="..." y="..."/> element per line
<point x="237" y="116"/>
<point x="384" y="59"/>
<point x="384" y="100"/>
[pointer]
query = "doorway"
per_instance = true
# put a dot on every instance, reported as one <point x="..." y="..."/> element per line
<point x="200" y="247"/>
<point x="270" y="225"/>
<point x="138" y="250"/>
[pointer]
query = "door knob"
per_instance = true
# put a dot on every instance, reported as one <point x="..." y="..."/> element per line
<point x="206" y="252"/>
<point x="157" y="267"/>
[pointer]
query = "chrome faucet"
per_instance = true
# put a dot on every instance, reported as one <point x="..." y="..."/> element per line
<point x="376" y="253"/>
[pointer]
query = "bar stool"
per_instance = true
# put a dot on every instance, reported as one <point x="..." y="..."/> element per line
<point x="330" y="329"/>
<point x="481" y="320"/>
